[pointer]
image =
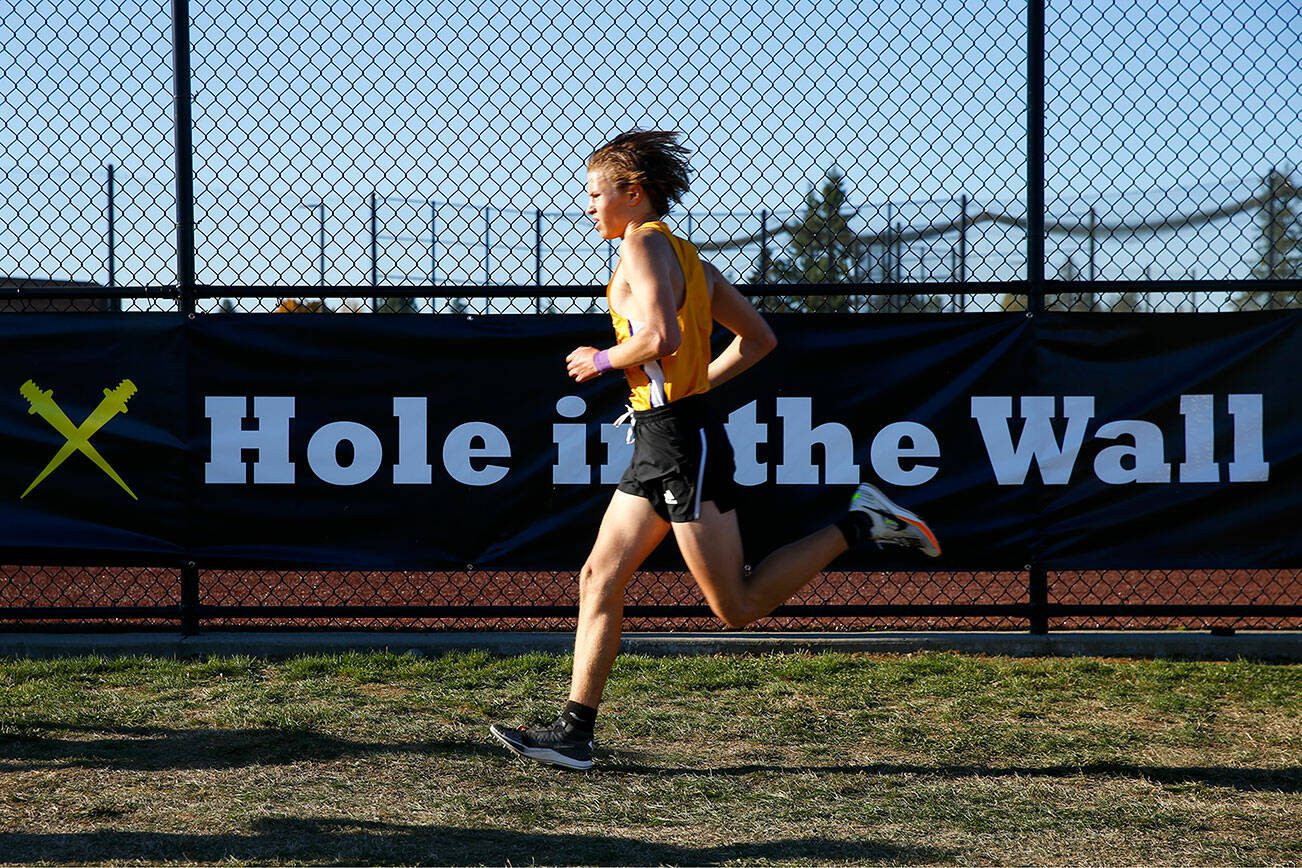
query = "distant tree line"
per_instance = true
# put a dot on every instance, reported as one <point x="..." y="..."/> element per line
<point x="822" y="249"/>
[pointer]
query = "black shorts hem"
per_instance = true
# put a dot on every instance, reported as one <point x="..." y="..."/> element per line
<point x="724" y="504"/>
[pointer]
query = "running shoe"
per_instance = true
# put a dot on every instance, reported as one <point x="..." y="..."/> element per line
<point x="893" y="525"/>
<point x="553" y="744"/>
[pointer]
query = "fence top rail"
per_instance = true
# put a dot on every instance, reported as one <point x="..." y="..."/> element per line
<point x="1015" y="287"/>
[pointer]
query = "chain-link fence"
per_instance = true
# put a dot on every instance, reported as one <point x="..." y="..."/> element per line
<point x="339" y="150"/>
<point x="36" y="597"/>
<point x="952" y="156"/>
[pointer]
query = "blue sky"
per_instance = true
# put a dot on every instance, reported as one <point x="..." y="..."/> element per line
<point x="1149" y="111"/>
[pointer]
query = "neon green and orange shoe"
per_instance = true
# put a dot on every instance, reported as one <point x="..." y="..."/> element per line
<point x="893" y="525"/>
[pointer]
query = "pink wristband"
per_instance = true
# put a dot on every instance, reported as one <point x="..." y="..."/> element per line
<point x="601" y="361"/>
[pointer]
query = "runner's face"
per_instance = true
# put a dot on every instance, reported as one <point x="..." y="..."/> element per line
<point x="611" y="208"/>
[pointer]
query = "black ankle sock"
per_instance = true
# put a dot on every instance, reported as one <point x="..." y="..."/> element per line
<point x="579" y="717"/>
<point x="856" y="527"/>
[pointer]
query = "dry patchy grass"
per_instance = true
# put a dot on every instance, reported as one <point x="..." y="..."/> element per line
<point x="791" y="759"/>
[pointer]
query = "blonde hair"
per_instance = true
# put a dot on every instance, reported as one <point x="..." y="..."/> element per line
<point x="651" y="158"/>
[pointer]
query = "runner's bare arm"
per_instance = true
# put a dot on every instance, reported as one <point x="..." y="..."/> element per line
<point x="647" y="262"/>
<point x="754" y="339"/>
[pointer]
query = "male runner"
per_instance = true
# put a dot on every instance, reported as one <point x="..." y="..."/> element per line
<point x="664" y="302"/>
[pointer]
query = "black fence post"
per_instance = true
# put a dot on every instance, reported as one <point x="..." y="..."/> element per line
<point x="962" y="252"/>
<point x="1038" y="594"/>
<point x="185" y="255"/>
<point x="1035" y="156"/>
<point x="190" y="598"/>
<point x="375" y="253"/>
<point x="115" y="303"/>
<point x="184" y="139"/>
<point x="1038" y="576"/>
<point x="537" y="260"/>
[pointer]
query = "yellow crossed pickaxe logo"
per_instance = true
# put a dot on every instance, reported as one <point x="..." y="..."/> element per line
<point x="78" y="436"/>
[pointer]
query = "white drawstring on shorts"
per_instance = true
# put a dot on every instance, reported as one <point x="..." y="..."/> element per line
<point x="628" y="417"/>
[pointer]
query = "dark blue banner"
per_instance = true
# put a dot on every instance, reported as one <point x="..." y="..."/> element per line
<point x="1079" y="441"/>
<point x="92" y="419"/>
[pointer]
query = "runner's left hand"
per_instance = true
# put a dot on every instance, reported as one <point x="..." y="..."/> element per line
<point x="580" y="366"/>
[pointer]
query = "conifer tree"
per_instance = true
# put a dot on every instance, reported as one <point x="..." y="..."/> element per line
<point x="1279" y="249"/>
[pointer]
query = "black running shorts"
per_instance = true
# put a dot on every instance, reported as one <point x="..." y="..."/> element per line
<point x="681" y="459"/>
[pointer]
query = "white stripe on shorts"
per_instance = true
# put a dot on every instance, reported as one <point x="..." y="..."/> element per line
<point x="700" y="477"/>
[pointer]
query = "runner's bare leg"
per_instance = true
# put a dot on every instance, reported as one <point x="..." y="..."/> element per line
<point x="629" y="532"/>
<point x="711" y="546"/>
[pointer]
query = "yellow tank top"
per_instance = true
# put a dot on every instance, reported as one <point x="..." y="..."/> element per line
<point x="686" y="371"/>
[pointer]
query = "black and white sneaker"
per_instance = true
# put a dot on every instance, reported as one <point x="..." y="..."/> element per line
<point x="893" y="525"/>
<point x="554" y="744"/>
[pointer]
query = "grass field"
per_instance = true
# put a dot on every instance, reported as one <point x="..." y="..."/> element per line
<point x="806" y="759"/>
